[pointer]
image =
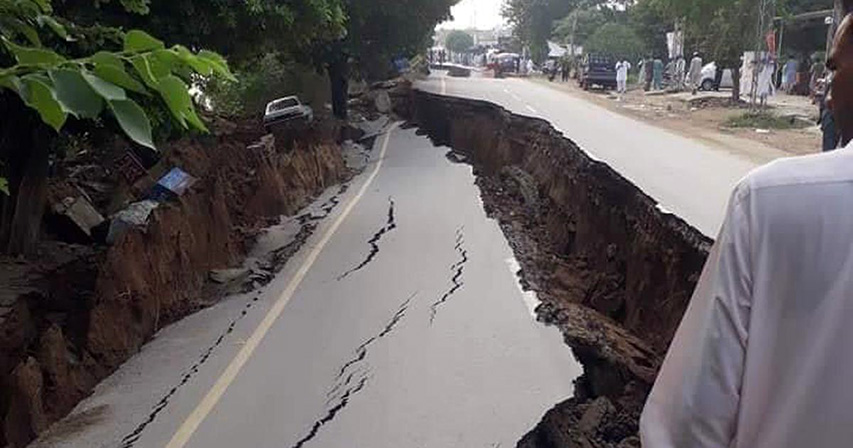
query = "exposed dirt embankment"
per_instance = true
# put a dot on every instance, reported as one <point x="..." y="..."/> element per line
<point x="93" y="314"/>
<point x="613" y="271"/>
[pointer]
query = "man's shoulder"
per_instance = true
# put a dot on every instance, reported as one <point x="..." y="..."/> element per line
<point x="836" y="166"/>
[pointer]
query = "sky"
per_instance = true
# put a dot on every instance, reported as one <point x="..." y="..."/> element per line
<point x="480" y="14"/>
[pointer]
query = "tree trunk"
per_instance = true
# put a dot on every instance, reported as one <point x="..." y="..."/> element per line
<point x="29" y="196"/>
<point x="339" y="80"/>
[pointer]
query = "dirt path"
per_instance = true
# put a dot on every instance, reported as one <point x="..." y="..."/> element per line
<point x="706" y="122"/>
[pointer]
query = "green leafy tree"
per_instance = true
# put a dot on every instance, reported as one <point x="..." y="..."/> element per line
<point x="532" y="21"/>
<point x="579" y="25"/>
<point x="343" y="37"/>
<point x="242" y="30"/>
<point x="459" y="41"/>
<point x="41" y="89"/>
<point x="651" y="26"/>
<point x="616" y="40"/>
<point x="721" y="29"/>
<point x="377" y="32"/>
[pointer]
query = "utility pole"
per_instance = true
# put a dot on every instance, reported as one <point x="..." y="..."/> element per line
<point x="574" y="28"/>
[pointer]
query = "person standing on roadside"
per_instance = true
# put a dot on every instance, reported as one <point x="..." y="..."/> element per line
<point x="789" y="75"/>
<point x="622" y="68"/>
<point x="762" y="357"/>
<point x="826" y="120"/>
<point x="657" y="74"/>
<point x="815" y="72"/>
<point x="695" y="72"/>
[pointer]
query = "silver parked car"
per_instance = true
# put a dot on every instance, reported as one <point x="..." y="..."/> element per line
<point x="709" y="71"/>
<point x="287" y="110"/>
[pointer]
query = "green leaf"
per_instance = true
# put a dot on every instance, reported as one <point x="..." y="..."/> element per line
<point x="218" y="63"/>
<point x="75" y="95"/>
<point x="133" y="121"/>
<point x="119" y="77"/>
<point x="143" y="69"/>
<point x="39" y="95"/>
<point x="44" y="5"/>
<point x="13" y="83"/>
<point x="107" y="90"/>
<point x="162" y="63"/>
<point x="201" y="66"/>
<point x="176" y="95"/>
<point x="136" y="41"/>
<point x="23" y="28"/>
<point x="54" y="25"/>
<point x="106" y="58"/>
<point x="32" y="56"/>
<point x="4" y="186"/>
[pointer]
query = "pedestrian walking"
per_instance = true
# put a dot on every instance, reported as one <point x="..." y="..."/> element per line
<point x="695" y="72"/>
<point x="762" y="357"/>
<point x="622" y="68"/>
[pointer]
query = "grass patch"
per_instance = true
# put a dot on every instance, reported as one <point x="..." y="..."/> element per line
<point x="762" y="120"/>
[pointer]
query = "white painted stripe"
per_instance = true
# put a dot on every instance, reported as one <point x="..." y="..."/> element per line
<point x="531" y="109"/>
<point x="189" y="426"/>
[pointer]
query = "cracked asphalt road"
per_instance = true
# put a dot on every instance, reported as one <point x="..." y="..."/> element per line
<point x="367" y="359"/>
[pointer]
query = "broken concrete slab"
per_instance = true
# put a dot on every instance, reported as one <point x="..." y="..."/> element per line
<point x="78" y="215"/>
<point x="135" y="215"/>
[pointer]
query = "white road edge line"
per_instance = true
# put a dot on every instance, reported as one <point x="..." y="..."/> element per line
<point x="189" y="426"/>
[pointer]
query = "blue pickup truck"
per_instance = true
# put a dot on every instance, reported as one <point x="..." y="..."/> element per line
<point x="597" y="70"/>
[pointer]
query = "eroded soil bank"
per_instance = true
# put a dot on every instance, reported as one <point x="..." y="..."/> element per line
<point x="87" y="316"/>
<point x="614" y="273"/>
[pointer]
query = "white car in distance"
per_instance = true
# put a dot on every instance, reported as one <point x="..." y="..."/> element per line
<point x="287" y="110"/>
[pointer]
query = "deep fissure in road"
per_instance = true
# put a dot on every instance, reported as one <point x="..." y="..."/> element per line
<point x="390" y="225"/>
<point x="457" y="269"/>
<point x="352" y="378"/>
<point x="612" y="270"/>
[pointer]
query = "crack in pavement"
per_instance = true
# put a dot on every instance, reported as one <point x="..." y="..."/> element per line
<point x="268" y="267"/>
<point x="390" y="225"/>
<point x="332" y="412"/>
<point x="325" y="207"/>
<point x="130" y="440"/>
<point x="361" y="351"/>
<point x="349" y="385"/>
<point x="458" y="269"/>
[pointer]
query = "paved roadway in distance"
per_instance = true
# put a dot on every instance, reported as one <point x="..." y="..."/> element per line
<point x="687" y="177"/>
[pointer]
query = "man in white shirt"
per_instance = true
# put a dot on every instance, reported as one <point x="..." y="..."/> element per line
<point x="695" y="72"/>
<point x="763" y="356"/>
<point x="622" y="68"/>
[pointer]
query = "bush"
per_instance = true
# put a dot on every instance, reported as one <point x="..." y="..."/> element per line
<point x="615" y="40"/>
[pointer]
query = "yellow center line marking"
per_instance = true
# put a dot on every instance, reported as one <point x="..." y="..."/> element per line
<point x="189" y="426"/>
